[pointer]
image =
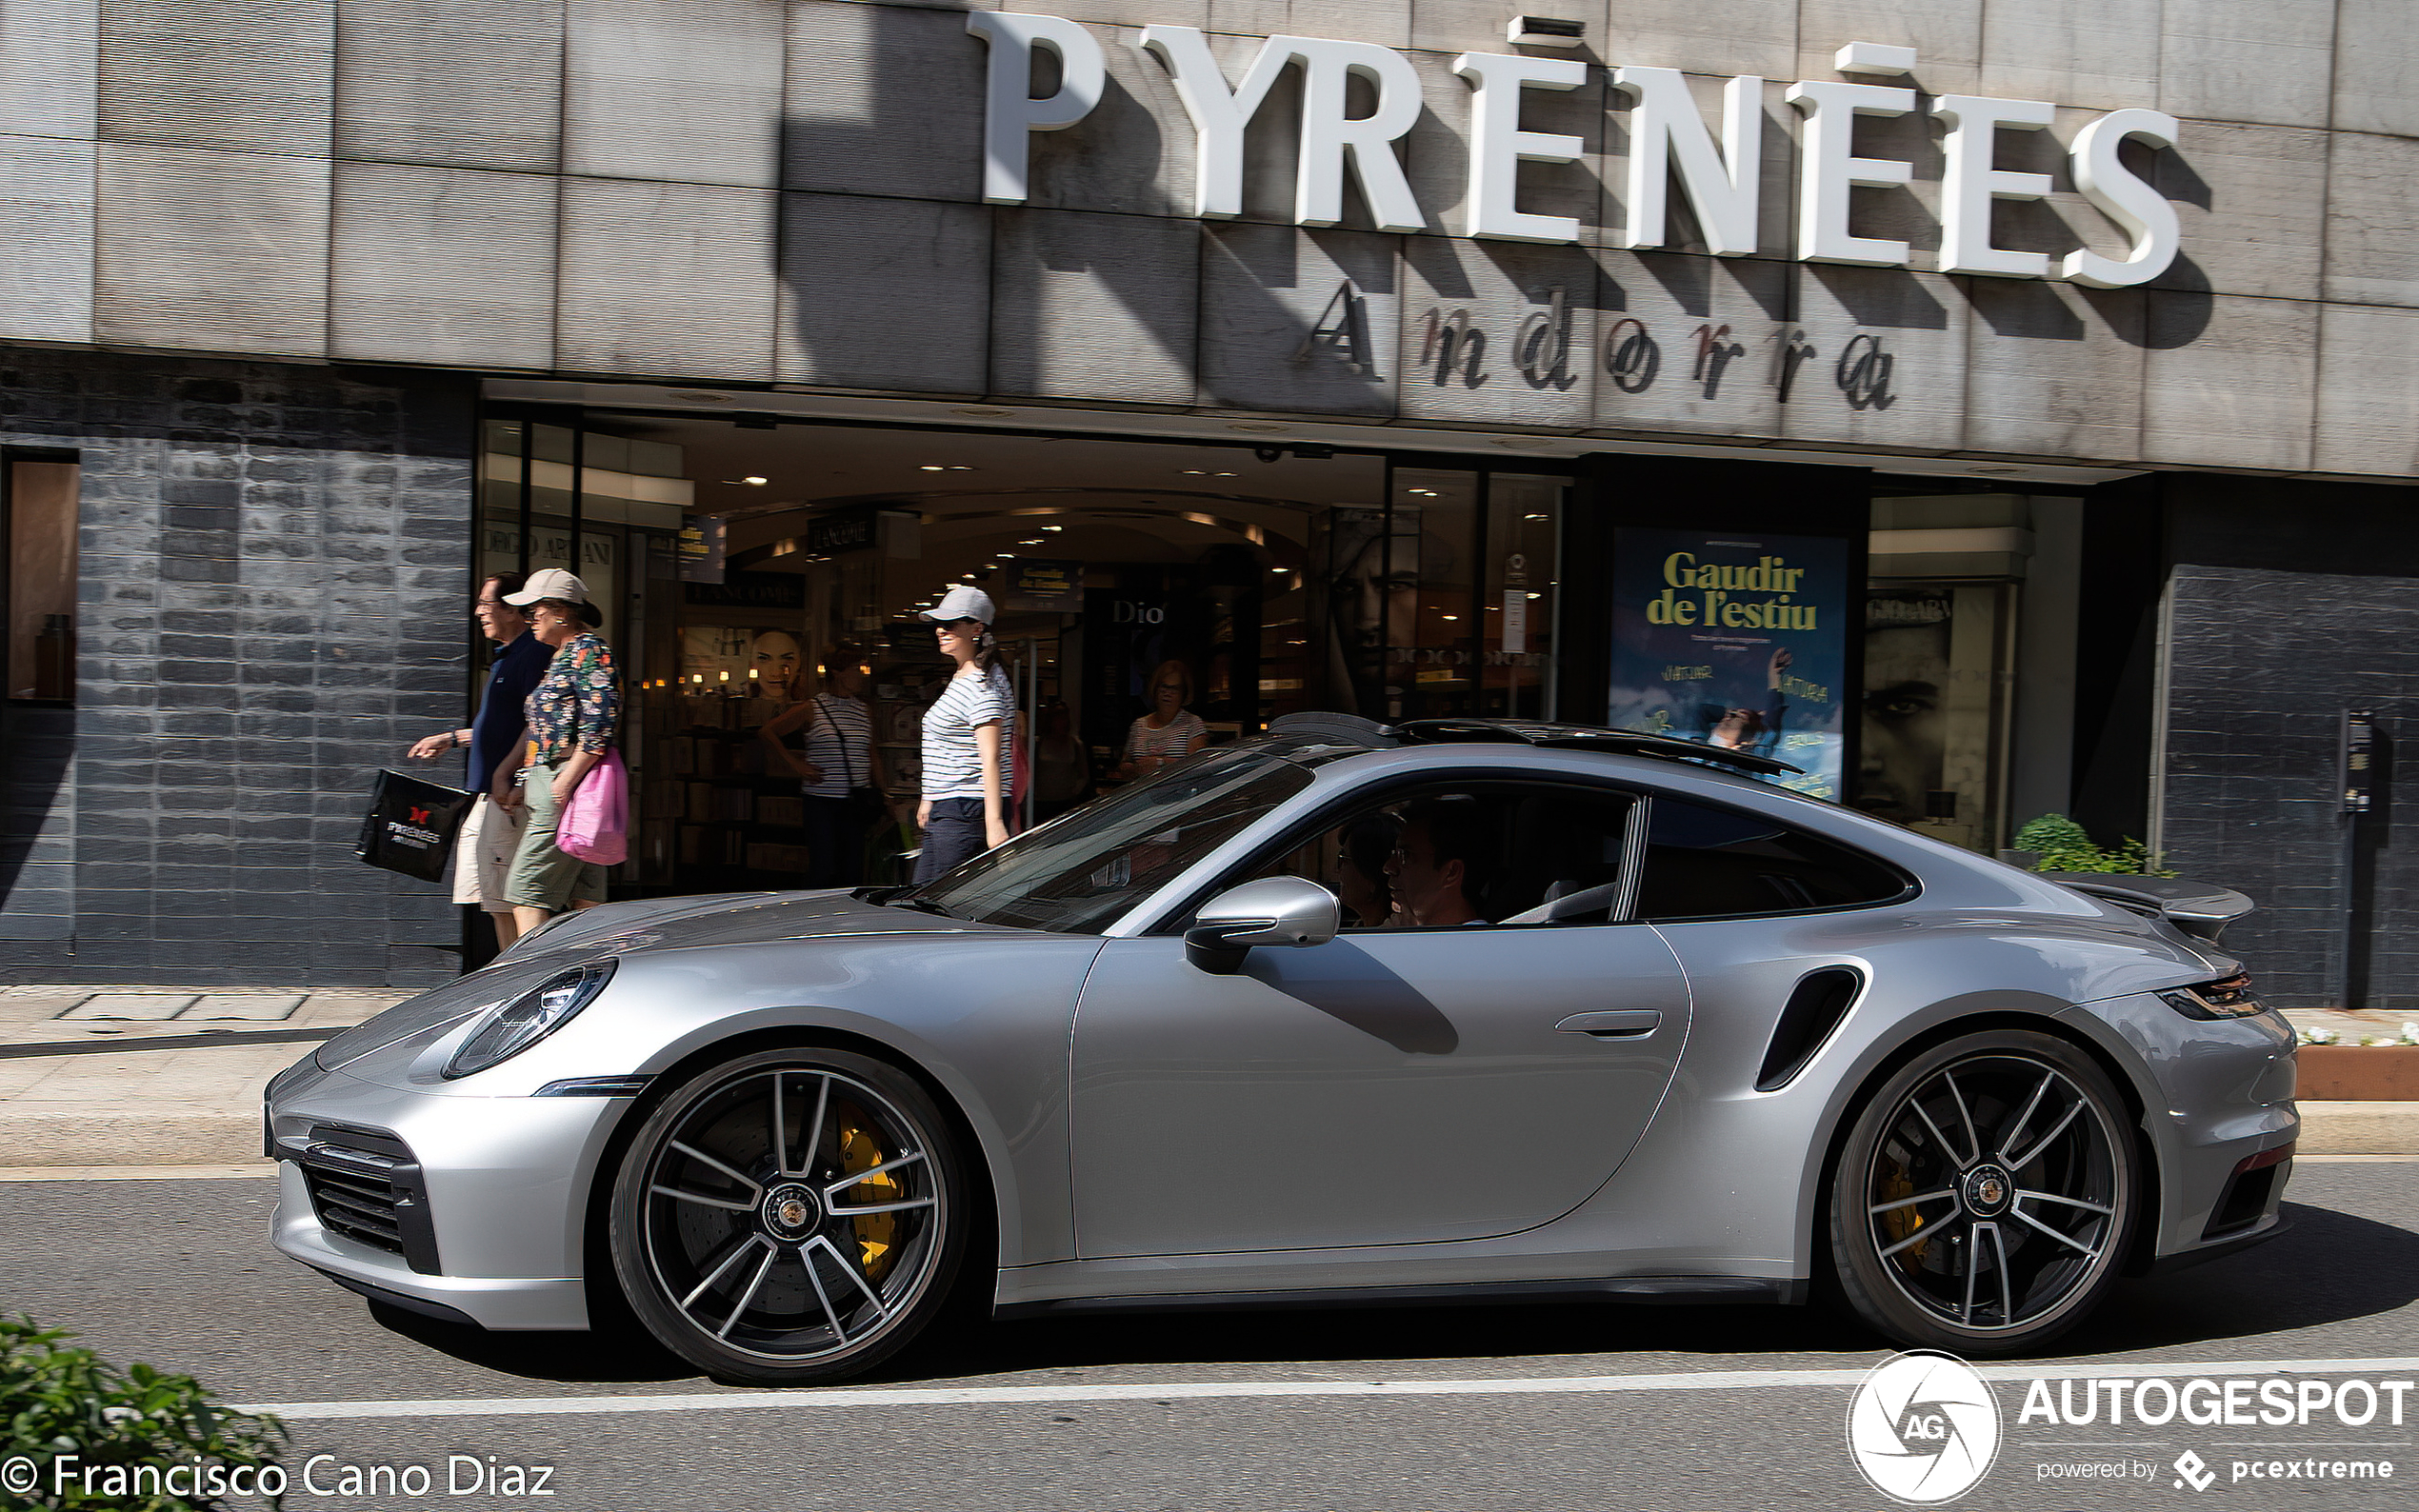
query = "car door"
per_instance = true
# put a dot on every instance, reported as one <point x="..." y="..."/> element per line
<point x="1390" y="1087"/>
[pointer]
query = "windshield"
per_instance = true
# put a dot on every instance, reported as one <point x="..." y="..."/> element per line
<point x="1078" y="873"/>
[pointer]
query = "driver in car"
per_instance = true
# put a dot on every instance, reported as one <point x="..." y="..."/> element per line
<point x="1438" y="861"/>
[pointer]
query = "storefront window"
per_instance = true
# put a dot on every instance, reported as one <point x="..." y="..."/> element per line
<point x="749" y="568"/>
<point x="40" y="507"/>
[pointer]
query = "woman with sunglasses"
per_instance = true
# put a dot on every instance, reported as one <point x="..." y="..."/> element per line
<point x="963" y="811"/>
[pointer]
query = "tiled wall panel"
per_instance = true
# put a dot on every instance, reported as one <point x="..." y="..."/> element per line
<point x="460" y="83"/>
<point x="680" y="90"/>
<point x="251" y="74"/>
<point x="1094" y="307"/>
<point x="669" y="279"/>
<point x="46" y="224"/>
<point x="885" y="293"/>
<point x="211" y="250"/>
<point x="443" y="264"/>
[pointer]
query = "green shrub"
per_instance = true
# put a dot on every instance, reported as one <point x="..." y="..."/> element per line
<point x="2063" y="845"/>
<point x="57" y="1401"/>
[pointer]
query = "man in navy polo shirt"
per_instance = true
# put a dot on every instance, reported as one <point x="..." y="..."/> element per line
<point x="483" y="852"/>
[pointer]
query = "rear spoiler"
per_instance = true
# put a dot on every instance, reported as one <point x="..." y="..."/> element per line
<point x="2199" y="908"/>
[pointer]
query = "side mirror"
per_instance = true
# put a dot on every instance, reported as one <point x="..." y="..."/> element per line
<point x="1271" y="911"/>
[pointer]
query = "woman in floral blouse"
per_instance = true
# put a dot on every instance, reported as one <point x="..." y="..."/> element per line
<point x="573" y="714"/>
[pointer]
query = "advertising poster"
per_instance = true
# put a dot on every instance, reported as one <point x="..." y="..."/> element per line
<point x="1734" y="640"/>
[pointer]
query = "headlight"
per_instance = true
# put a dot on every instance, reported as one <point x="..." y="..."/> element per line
<point x="530" y="1017"/>
<point x="2230" y="999"/>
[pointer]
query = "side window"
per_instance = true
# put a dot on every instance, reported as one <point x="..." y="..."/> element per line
<point x="1715" y="863"/>
<point x="1451" y="856"/>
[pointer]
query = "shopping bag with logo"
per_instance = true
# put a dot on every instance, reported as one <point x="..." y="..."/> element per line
<point x="410" y="824"/>
<point x="595" y="824"/>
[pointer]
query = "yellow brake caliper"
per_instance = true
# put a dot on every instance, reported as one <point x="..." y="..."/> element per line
<point x="1901" y="1222"/>
<point x="877" y="1232"/>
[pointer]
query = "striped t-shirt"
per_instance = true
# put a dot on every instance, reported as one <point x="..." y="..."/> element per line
<point x="837" y="739"/>
<point x="952" y="766"/>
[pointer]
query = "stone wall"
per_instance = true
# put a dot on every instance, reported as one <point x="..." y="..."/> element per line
<point x="759" y="191"/>
<point x="275" y="562"/>
<point x="2290" y="604"/>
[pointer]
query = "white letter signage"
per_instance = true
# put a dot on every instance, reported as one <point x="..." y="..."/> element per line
<point x="1973" y="182"/>
<point x="1830" y="166"/>
<point x="1498" y="145"/>
<point x="1666" y="132"/>
<point x="1009" y="112"/>
<point x="2148" y="218"/>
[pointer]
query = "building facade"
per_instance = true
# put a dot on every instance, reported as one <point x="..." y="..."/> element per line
<point x="2000" y="411"/>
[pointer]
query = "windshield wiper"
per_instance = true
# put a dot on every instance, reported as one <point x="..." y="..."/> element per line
<point x="921" y="904"/>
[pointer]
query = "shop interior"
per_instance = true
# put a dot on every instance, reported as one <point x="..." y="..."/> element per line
<point x="745" y="565"/>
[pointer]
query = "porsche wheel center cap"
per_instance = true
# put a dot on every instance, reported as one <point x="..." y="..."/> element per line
<point x="1988" y="1191"/>
<point x="792" y="1211"/>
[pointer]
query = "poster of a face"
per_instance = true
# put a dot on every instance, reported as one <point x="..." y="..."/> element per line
<point x="772" y="658"/>
<point x="1373" y="589"/>
<point x="1736" y="641"/>
<point x="1906" y="725"/>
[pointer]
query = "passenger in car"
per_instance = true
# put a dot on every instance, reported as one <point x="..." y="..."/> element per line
<point x="1440" y="860"/>
<point x="1363" y="848"/>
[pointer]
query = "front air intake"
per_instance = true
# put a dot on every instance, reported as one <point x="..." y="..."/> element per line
<point x="1813" y="1010"/>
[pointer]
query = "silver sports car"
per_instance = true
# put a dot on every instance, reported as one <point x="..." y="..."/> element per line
<point x="1449" y="1011"/>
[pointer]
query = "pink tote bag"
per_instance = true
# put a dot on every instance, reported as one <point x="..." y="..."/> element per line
<point x="595" y="824"/>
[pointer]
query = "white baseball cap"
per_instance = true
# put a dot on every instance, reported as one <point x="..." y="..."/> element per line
<point x="550" y="583"/>
<point x="553" y="582"/>
<point x="964" y="602"/>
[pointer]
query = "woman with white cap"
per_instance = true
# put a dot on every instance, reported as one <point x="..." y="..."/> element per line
<point x="966" y="739"/>
<point x="572" y="717"/>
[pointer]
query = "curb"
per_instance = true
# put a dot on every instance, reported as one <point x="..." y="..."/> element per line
<point x="72" y="1134"/>
<point x="2359" y="1129"/>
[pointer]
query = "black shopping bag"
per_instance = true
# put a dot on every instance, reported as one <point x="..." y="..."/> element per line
<point x="410" y="824"/>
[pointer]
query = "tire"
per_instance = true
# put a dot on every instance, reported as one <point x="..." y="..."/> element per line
<point x="1986" y="1196"/>
<point x="797" y="1264"/>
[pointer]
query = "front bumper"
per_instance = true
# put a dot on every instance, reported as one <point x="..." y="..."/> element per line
<point x="486" y="1217"/>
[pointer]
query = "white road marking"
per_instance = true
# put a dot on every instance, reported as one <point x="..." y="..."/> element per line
<point x="1226" y="1390"/>
<point x="135" y="1173"/>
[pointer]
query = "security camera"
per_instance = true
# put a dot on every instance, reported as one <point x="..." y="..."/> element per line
<point x="1268" y="453"/>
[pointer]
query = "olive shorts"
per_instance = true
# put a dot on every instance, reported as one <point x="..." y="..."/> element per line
<point x="543" y="876"/>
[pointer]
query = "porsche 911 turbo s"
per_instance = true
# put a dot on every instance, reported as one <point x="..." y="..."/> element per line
<point x="1454" y="1010"/>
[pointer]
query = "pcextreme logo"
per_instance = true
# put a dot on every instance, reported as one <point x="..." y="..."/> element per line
<point x="1923" y="1428"/>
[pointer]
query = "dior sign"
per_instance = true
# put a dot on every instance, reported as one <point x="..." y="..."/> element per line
<point x="1668" y="138"/>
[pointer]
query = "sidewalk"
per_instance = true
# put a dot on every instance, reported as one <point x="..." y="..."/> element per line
<point x="79" y="1093"/>
<point x="78" y="1090"/>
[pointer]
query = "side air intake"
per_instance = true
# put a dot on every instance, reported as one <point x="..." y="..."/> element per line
<point x="1813" y="1012"/>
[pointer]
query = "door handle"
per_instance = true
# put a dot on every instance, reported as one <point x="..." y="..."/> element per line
<point x="1618" y="1023"/>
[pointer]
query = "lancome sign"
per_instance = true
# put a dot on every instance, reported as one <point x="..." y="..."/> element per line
<point x="1669" y="139"/>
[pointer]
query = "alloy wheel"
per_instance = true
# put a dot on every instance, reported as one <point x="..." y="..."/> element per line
<point x="789" y="1217"/>
<point x="1985" y="1198"/>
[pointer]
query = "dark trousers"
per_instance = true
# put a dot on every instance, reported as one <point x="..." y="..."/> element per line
<point x="835" y="843"/>
<point x="954" y="835"/>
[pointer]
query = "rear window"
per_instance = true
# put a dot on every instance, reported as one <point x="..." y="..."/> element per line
<point x="1704" y="863"/>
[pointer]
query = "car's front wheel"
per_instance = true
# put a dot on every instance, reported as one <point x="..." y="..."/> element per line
<point x="789" y="1217"/>
<point x="1986" y="1195"/>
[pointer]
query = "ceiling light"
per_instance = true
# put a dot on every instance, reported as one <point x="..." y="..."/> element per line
<point x="1534" y="517"/>
<point x="1452" y="616"/>
<point x="931" y="467"/>
<point x="754" y="482"/>
<point x="1009" y="554"/>
<point x="1536" y="595"/>
<point x="1036" y="541"/>
<point x="1192" y="473"/>
<point x="1053" y="528"/>
<point x="1221" y="474"/>
<point x="1424" y="493"/>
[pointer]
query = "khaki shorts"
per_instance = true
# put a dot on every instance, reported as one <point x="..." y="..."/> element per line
<point x="543" y="876"/>
<point x="483" y="854"/>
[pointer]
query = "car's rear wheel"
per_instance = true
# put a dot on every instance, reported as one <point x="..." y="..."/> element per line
<point x="1986" y="1195"/>
<point x="789" y="1217"/>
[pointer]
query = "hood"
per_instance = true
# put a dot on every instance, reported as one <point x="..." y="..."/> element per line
<point x="624" y="928"/>
<point x="739" y="918"/>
